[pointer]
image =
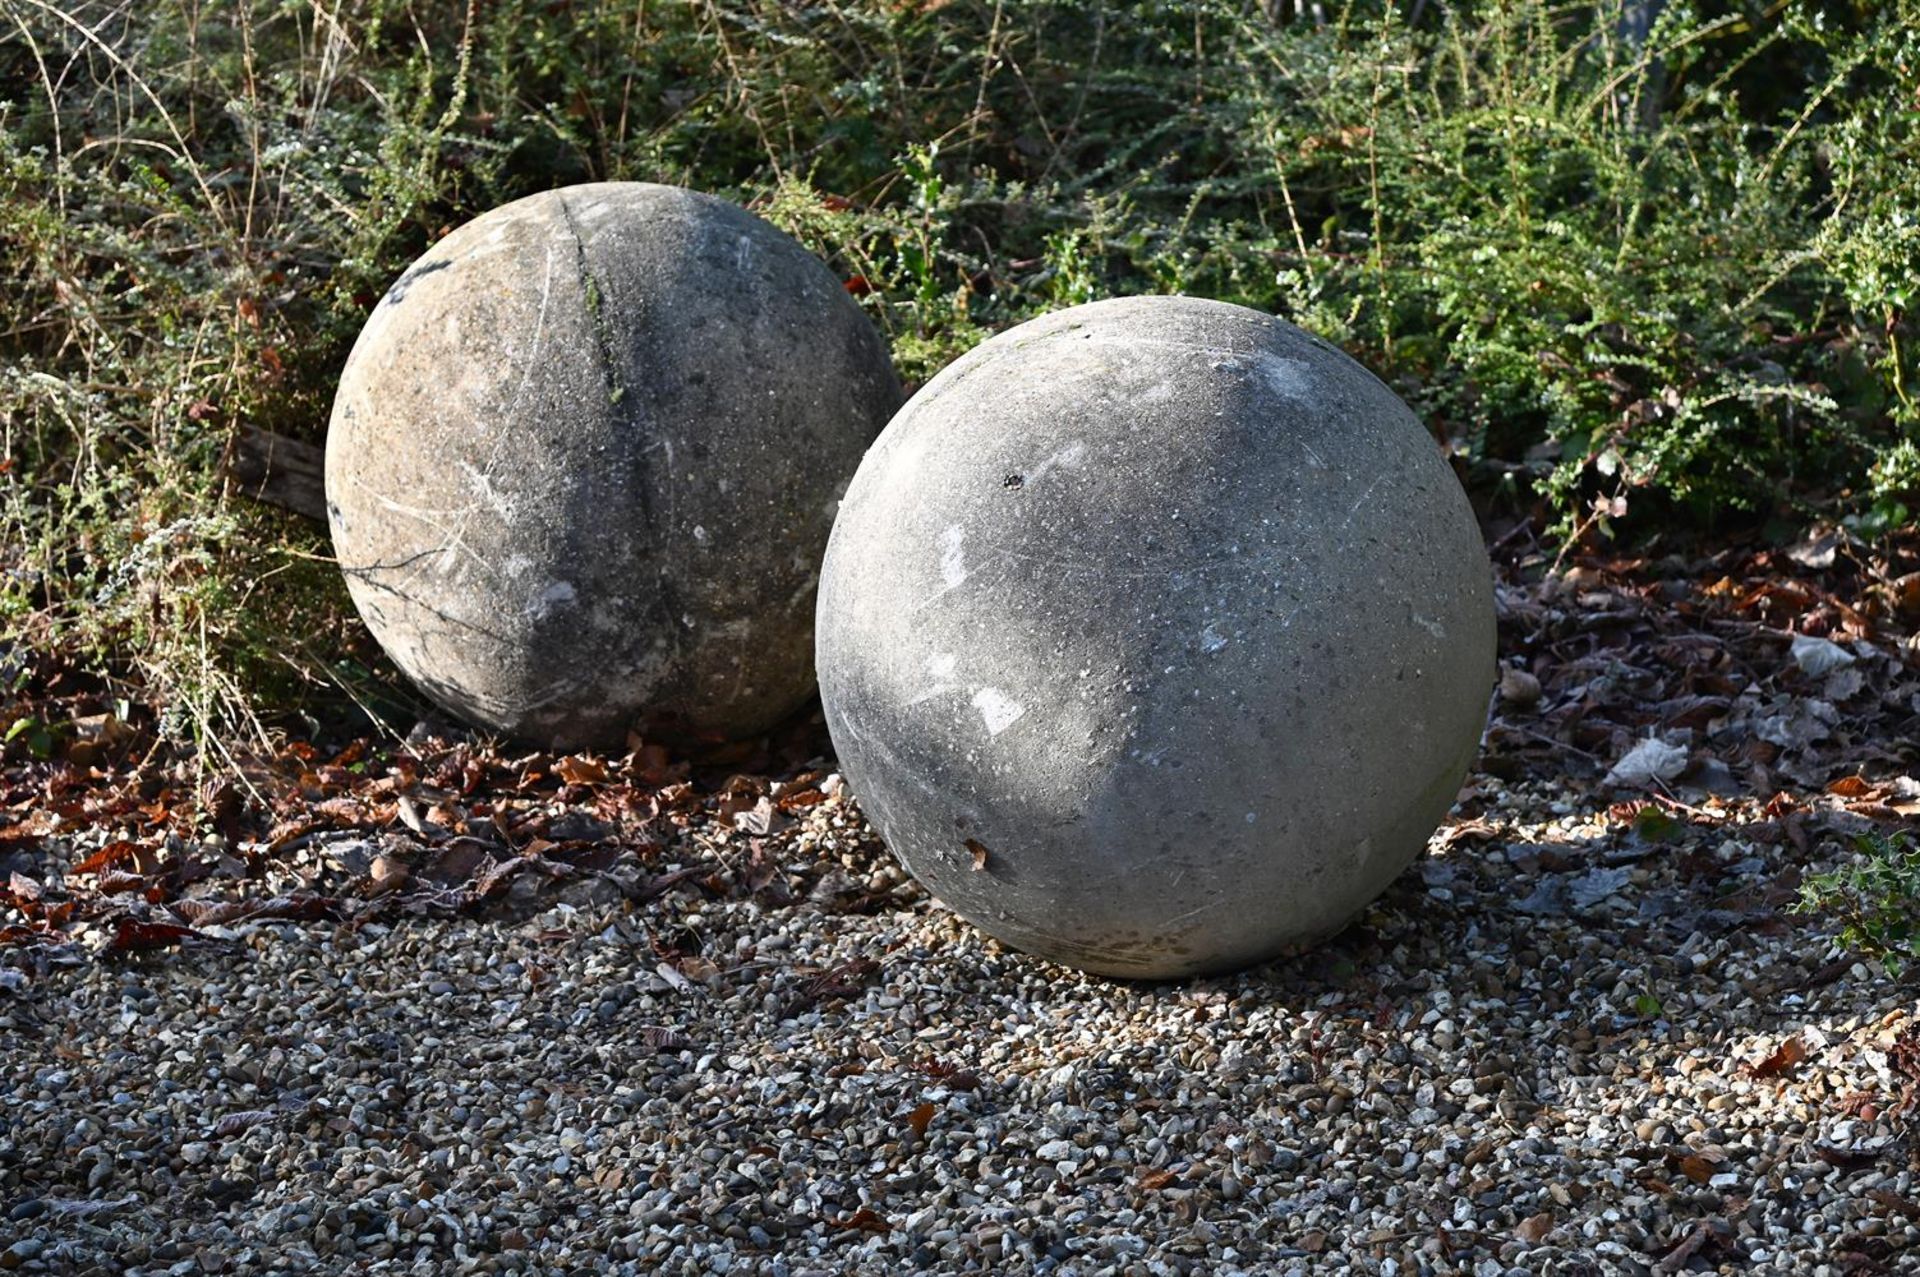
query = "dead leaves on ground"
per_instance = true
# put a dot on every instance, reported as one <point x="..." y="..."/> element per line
<point x="1750" y="669"/>
<point x="433" y="825"/>
<point x="1744" y="669"/>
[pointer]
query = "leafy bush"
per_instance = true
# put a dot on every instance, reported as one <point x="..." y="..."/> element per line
<point x="1651" y="278"/>
<point x="1876" y="899"/>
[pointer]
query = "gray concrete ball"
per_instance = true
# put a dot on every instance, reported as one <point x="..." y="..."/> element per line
<point x="584" y="458"/>
<point x="1156" y="637"/>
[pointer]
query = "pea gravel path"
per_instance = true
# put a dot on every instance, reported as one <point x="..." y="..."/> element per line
<point x="706" y="1026"/>
<point x="1512" y="1065"/>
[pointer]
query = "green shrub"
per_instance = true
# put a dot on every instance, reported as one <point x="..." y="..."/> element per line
<point x="1627" y="283"/>
<point x="1876" y="899"/>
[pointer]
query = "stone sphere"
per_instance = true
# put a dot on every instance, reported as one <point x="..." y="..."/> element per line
<point x="584" y="458"/>
<point x="1156" y="636"/>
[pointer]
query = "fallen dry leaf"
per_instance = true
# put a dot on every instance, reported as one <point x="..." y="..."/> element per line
<point x="114" y="883"/>
<point x="761" y="820"/>
<point x="1894" y="1202"/>
<point x="133" y="935"/>
<point x="864" y="1221"/>
<point x="577" y="769"/>
<point x="1687" y="1247"/>
<point x="1817" y="657"/>
<point x="1478" y="829"/>
<point x="661" y="1038"/>
<point x="1846" y="1158"/>
<point x="1697" y="1169"/>
<point x="388" y="873"/>
<point x="699" y="969"/>
<point x="236" y="1123"/>
<point x="1519" y="688"/>
<point x="1649" y="762"/>
<point x="1790" y="1052"/>
<point x="111" y="854"/>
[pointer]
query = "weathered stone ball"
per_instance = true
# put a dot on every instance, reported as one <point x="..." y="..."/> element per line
<point x="584" y="458"/>
<point x="1155" y="637"/>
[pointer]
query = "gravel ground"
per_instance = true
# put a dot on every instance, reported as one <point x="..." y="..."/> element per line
<point x="1555" y="1047"/>
<point x="578" y="1015"/>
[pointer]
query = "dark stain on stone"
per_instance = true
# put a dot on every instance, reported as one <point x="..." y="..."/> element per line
<point x="398" y="293"/>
